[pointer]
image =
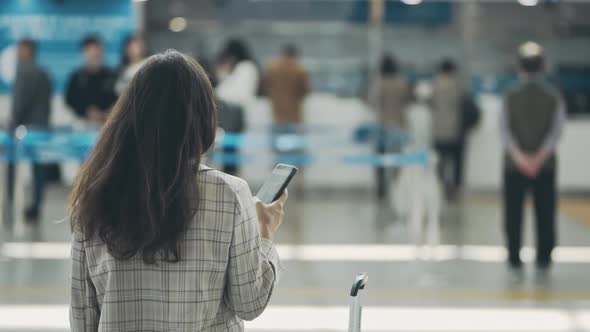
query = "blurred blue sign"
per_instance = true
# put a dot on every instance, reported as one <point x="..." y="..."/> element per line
<point x="58" y="26"/>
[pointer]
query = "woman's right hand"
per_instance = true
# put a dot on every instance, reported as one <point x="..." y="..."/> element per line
<point x="270" y="216"/>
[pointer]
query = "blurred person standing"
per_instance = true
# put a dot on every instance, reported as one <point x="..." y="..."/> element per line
<point x="417" y="187"/>
<point x="133" y="56"/>
<point x="531" y="125"/>
<point x="90" y="89"/>
<point x="31" y="107"/>
<point x="448" y="96"/>
<point x="389" y="96"/>
<point x="287" y="84"/>
<point x="237" y="74"/>
<point x="230" y="118"/>
<point x="238" y="83"/>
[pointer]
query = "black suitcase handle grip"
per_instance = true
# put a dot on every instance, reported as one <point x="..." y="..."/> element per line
<point x="359" y="283"/>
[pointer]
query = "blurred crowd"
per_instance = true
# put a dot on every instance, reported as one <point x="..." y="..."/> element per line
<point x="437" y="115"/>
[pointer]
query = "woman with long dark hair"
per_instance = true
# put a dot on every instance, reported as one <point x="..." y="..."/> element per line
<point x="162" y="242"/>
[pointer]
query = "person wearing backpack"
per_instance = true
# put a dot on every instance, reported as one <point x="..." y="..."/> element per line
<point x="454" y="114"/>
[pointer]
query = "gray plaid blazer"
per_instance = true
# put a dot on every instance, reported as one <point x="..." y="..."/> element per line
<point x="226" y="273"/>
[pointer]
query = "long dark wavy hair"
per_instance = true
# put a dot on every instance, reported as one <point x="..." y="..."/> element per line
<point x="137" y="190"/>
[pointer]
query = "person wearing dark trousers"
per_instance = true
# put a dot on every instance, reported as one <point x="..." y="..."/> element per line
<point x="389" y="95"/>
<point x="448" y="95"/>
<point x="381" y="171"/>
<point x="230" y="118"/>
<point x="451" y="153"/>
<point x="238" y="83"/>
<point x="287" y="83"/>
<point x="531" y="125"/>
<point x="31" y="105"/>
<point x="516" y="186"/>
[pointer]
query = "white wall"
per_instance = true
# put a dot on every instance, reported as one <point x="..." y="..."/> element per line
<point x="339" y="116"/>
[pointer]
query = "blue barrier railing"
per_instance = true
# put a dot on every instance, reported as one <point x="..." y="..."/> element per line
<point x="43" y="146"/>
<point x="364" y="134"/>
<point x="388" y="159"/>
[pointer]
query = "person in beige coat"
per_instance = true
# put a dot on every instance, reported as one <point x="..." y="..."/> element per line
<point x="287" y="85"/>
<point x="389" y="96"/>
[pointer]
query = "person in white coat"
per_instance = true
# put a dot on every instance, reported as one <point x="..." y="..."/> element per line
<point x="418" y="198"/>
<point x="238" y="74"/>
<point x="238" y="84"/>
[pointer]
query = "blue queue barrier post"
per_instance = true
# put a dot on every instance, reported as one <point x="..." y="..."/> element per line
<point x="40" y="147"/>
<point x="6" y="151"/>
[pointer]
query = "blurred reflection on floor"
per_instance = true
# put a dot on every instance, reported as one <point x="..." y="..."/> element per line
<point x="327" y="238"/>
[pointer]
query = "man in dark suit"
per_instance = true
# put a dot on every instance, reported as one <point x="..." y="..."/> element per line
<point x="31" y="106"/>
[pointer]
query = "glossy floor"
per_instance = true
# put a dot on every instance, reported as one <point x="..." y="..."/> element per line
<point x="327" y="238"/>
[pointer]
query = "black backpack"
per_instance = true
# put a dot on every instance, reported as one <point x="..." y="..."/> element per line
<point x="471" y="114"/>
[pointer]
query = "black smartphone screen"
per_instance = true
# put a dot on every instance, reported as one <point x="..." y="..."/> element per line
<point x="277" y="183"/>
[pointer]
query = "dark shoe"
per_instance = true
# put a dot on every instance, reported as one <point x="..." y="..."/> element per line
<point x="515" y="264"/>
<point x="543" y="273"/>
<point x="515" y="273"/>
<point x="544" y="265"/>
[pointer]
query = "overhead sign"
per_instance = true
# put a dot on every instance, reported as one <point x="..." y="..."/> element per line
<point x="58" y="26"/>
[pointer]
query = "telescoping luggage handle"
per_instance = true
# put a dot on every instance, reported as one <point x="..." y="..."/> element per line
<point x="354" y="320"/>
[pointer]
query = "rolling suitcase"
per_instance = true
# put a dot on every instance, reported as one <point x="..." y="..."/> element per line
<point x="354" y="319"/>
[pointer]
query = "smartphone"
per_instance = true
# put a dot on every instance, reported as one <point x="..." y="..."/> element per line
<point x="276" y="183"/>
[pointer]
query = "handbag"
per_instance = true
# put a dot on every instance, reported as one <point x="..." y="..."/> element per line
<point x="471" y="114"/>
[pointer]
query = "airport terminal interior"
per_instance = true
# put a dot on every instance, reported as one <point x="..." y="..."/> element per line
<point x="372" y="195"/>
